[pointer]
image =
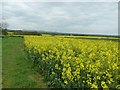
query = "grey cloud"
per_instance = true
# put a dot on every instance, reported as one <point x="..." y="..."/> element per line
<point x="75" y="17"/>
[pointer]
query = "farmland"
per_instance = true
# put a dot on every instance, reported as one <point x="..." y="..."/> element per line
<point x="63" y="62"/>
<point x="68" y="44"/>
<point x="69" y="62"/>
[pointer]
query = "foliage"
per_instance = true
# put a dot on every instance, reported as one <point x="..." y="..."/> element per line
<point x="10" y="33"/>
<point x="74" y="63"/>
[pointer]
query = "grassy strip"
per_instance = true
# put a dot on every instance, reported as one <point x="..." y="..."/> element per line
<point x="17" y="70"/>
<point x="0" y="63"/>
<point x="95" y="38"/>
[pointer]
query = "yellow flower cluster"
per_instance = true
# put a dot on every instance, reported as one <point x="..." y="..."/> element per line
<point x="68" y="62"/>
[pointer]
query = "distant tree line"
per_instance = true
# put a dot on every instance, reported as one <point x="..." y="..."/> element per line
<point x="21" y="32"/>
<point x="4" y="30"/>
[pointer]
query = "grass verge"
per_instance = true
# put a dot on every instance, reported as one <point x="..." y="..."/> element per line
<point x="16" y="68"/>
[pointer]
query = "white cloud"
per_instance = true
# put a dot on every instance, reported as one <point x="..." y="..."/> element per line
<point x="0" y="12"/>
<point x="75" y="17"/>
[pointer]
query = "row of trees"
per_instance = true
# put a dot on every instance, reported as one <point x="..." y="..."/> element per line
<point x="4" y="30"/>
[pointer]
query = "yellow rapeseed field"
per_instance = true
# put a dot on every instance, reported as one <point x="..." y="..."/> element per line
<point x="75" y="63"/>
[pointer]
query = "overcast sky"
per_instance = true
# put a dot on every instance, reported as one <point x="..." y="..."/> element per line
<point x="71" y="17"/>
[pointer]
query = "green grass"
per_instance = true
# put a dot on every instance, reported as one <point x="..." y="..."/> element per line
<point x="95" y="38"/>
<point x="0" y="63"/>
<point x="17" y="69"/>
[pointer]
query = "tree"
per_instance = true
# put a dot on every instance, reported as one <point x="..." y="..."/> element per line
<point x="0" y="28"/>
<point x="3" y="28"/>
<point x="3" y="25"/>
